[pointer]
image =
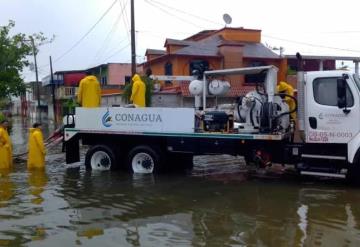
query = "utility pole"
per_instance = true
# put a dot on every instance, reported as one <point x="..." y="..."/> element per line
<point x="53" y="92"/>
<point x="37" y="79"/>
<point x="133" y="50"/>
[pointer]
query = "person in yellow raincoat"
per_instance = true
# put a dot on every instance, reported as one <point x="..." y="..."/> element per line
<point x="6" y="160"/>
<point x="37" y="152"/>
<point x="138" y="91"/>
<point x="89" y="94"/>
<point x="286" y="88"/>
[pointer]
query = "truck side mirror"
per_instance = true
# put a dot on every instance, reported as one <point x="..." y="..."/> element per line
<point x="341" y="92"/>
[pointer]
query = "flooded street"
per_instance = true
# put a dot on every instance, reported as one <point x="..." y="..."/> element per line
<point x="213" y="205"/>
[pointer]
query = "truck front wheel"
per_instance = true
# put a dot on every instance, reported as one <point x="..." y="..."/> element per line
<point x="100" y="157"/>
<point x="144" y="159"/>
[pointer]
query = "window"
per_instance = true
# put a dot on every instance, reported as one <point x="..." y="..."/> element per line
<point x="127" y="79"/>
<point x="325" y="92"/>
<point x="103" y="80"/>
<point x="199" y="65"/>
<point x="69" y="91"/>
<point x="168" y="70"/>
<point x="256" y="78"/>
<point x="357" y="80"/>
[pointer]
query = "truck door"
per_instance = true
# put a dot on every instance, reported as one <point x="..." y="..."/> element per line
<point x="325" y="122"/>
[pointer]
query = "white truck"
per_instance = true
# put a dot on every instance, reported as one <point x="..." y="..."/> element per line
<point x="146" y="140"/>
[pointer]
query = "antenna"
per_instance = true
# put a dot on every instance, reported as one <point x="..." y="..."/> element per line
<point x="227" y="18"/>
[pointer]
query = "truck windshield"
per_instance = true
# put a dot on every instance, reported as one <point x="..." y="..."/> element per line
<point x="357" y="80"/>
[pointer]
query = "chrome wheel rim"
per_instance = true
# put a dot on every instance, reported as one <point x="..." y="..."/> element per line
<point x="142" y="163"/>
<point x="100" y="160"/>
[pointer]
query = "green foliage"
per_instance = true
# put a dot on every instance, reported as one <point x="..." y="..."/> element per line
<point x="291" y="71"/>
<point x="14" y="50"/>
<point x="149" y="83"/>
<point x="127" y="92"/>
<point x="3" y="117"/>
<point x="69" y="106"/>
<point x="4" y="103"/>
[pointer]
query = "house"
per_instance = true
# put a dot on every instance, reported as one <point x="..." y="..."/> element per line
<point x="112" y="74"/>
<point x="63" y="85"/>
<point x="223" y="49"/>
<point x="316" y="63"/>
<point x="215" y="49"/>
<point x="26" y="105"/>
<point x="112" y="77"/>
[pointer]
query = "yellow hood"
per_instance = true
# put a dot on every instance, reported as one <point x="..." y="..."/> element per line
<point x="92" y="77"/>
<point x="31" y="130"/>
<point x="136" y="77"/>
<point x="282" y="86"/>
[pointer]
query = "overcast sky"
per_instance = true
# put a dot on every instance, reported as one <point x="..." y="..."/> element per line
<point x="306" y="26"/>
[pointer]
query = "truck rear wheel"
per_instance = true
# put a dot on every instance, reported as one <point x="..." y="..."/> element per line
<point x="100" y="157"/>
<point x="144" y="159"/>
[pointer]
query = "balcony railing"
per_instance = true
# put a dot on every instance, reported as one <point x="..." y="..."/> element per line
<point x="66" y="92"/>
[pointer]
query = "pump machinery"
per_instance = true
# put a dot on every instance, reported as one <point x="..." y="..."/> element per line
<point x="259" y="111"/>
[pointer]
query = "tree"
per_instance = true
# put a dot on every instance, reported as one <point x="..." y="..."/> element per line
<point x="14" y="50"/>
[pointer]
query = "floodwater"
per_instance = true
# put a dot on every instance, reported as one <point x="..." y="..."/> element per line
<point x="213" y="205"/>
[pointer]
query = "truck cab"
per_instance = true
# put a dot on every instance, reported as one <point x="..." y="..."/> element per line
<point x="332" y="109"/>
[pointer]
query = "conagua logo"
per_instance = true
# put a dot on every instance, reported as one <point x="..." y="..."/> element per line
<point x="106" y="119"/>
<point x="145" y="117"/>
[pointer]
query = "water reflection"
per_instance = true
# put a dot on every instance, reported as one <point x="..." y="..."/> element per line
<point x="332" y="218"/>
<point x="20" y="131"/>
<point x="7" y="187"/>
<point x="185" y="211"/>
<point x="37" y="182"/>
<point x="212" y="206"/>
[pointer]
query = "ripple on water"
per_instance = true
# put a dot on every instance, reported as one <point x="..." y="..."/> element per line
<point x="210" y="206"/>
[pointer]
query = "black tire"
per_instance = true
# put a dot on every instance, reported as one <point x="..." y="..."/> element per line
<point x="182" y="161"/>
<point x="353" y="174"/>
<point x="145" y="159"/>
<point x="249" y="158"/>
<point x="100" y="157"/>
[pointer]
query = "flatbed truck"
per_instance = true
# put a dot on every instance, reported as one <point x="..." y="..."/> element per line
<point x="147" y="140"/>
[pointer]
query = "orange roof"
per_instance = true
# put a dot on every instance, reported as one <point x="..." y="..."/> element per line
<point x="109" y="91"/>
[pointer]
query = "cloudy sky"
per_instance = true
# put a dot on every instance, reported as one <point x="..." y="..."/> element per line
<point x="92" y="32"/>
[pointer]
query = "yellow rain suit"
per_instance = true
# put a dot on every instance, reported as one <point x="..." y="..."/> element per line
<point x="286" y="88"/>
<point x="36" y="155"/>
<point x="89" y="94"/>
<point x="138" y="91"/>
<point x="5" y="149"/>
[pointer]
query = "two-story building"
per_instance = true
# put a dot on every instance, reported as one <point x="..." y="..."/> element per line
<point x="214" y="49"/>
<point x="223" y="49"/>
<point x="112" y="77"/>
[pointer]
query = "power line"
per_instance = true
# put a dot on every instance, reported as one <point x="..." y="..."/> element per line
<point x="116" y="52"/>
<point x="187" y="13"/>
<point x="111" y="50"/>
<point x="109" y="36"/>
<point x="309" y="44"/>
<point x="86" y="34"/>
<point x="125" y="20"/>
<point x="171" y="14"/>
